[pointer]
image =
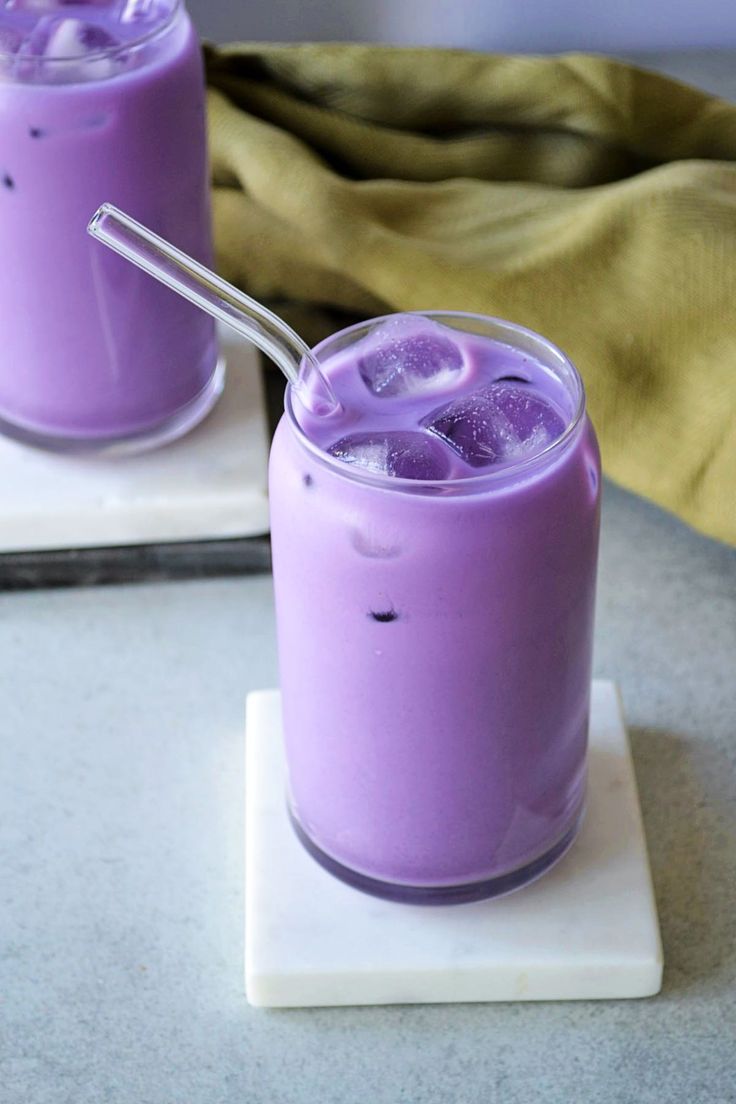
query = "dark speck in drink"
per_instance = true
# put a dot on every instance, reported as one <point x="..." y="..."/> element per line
<point x="384" y="616"/>
<point x="8" y="181"/>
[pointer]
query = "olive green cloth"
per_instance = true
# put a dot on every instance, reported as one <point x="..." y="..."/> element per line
<point x="585" y="198"/>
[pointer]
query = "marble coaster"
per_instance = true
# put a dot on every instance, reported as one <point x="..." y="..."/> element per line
<point x="209" y="484"/>
<point x="587" y="929"/>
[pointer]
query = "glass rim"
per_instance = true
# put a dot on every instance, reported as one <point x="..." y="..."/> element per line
<point x="467" y="484"/>
<point x="110" y="51"/>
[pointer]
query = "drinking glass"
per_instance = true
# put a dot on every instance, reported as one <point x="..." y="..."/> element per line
<point x="435" y="640"/>
<point x="100" y="101"/>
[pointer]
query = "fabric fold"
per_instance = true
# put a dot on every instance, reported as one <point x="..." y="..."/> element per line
<point x="580" y="196"/>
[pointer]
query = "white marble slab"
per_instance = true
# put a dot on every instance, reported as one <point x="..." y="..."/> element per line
<point x="209" y="484"/>
<point x="587" y="929"/>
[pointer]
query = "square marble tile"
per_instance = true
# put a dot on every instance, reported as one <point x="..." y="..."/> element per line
<point x="587" y="929"/>
<point x="209" y="484"/>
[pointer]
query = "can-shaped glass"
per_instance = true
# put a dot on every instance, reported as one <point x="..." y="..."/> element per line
<point x="435" y="641"/>
<point x="100" y="101"/>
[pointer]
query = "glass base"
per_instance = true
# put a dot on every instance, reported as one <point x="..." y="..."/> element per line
<point x="173" y="427"/>
<point x="441" y="895"/>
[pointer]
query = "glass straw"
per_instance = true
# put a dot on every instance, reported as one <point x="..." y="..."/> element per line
<point x="207" y="290"/>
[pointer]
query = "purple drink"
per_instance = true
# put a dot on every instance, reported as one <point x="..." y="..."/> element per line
<point x="100" y="101"/>
<point x="434" y="564"/>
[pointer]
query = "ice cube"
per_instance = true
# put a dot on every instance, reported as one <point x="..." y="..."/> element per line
<point x="138" y="11"/>
<point x="69" y="41"/>
<point x="404" y="454"/>
<point x="412" y="356"/>
<point x="530" y="415"/>
<point x="496" y="424"/>
<point x="75" y="38"/>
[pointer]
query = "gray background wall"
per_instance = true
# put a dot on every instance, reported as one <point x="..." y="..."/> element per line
<point x="520" y="25"/>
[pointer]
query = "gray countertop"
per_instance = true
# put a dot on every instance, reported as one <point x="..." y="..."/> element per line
<point x="121" y="823"/>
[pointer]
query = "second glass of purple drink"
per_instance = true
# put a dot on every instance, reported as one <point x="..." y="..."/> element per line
<point x="434" y="556"/>
<point x="100" y="100"/>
